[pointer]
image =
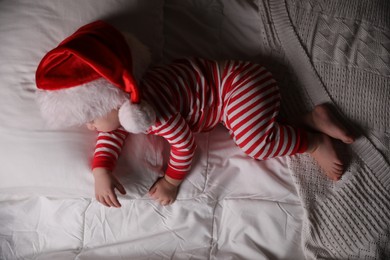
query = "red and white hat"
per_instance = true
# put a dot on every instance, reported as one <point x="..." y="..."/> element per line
<point x="92" y="72"/>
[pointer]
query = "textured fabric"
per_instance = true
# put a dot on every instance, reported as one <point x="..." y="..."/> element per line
<point x="344" y="61"/>
<point x="195" y="95"/>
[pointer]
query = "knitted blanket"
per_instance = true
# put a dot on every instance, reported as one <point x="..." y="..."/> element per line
<point x="338" y="51"/>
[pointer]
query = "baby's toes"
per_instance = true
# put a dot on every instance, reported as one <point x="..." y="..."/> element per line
<point x="348" y="139"/>
<point x="333" y="176"/>
<point x="337" y="173"/>
<point x="338" y="169"/>
<point x="164" y="202"/>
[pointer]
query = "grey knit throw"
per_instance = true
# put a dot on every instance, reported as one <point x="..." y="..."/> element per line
<point x="338" y="51"/>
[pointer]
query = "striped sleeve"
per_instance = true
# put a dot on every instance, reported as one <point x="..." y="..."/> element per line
<point x="108" y="148"/>
<point x="178" y="134"/>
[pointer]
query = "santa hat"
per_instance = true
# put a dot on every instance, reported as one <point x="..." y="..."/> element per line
<point x="92" y="72"/>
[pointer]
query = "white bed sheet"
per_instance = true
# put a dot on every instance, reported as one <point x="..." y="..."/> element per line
<point x="78" y="229"/>
<point x="229" y="207"/>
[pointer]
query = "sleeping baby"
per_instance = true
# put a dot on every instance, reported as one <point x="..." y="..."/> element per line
<point x="97" y="77"/>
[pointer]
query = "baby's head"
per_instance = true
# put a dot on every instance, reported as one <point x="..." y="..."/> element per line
<point x="107" y="123"/>
<point x="93" y="76"/>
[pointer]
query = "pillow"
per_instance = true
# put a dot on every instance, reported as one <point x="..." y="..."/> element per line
<point x="38" y="161"/>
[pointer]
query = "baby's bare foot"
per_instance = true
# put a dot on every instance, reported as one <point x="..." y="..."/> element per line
<point x="322" y="120"/>
<point x="325" y="154"/>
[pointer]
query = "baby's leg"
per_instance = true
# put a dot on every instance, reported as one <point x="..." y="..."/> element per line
<point x="250" y="115"/>
<point x="321" y="147"/>
<point x="321" y="119"/>
<point x="261" y="137"/>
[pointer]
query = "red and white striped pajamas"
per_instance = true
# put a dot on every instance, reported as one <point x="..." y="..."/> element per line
<point x="194" y="95"/>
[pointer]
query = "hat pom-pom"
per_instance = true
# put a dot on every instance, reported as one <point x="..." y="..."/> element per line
<point x="137" y="118"/>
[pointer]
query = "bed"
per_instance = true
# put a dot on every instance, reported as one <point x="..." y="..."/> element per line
<point x="230" y="206"/>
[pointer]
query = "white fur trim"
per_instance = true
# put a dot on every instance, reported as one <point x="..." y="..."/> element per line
<point x="81" y="104"/>
<point x="137" y="118"/>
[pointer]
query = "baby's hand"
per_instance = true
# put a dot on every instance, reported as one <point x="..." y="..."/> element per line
<point x="163" y="191"/>
<point x="105" y="184"/>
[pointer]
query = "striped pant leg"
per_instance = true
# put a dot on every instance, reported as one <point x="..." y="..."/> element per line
<point x="251" y="117"/>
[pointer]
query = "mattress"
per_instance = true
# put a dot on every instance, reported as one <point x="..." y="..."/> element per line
<point x="229" y="206"/>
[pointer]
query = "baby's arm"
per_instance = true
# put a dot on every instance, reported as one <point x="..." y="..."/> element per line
<point x="177" y="132"/>
<point x="105" y="185"/>
<point x="108" y="148"/>
<point x="164" y="190"/>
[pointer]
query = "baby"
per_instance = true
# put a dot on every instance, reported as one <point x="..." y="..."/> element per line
<point x="173" y="101"/>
